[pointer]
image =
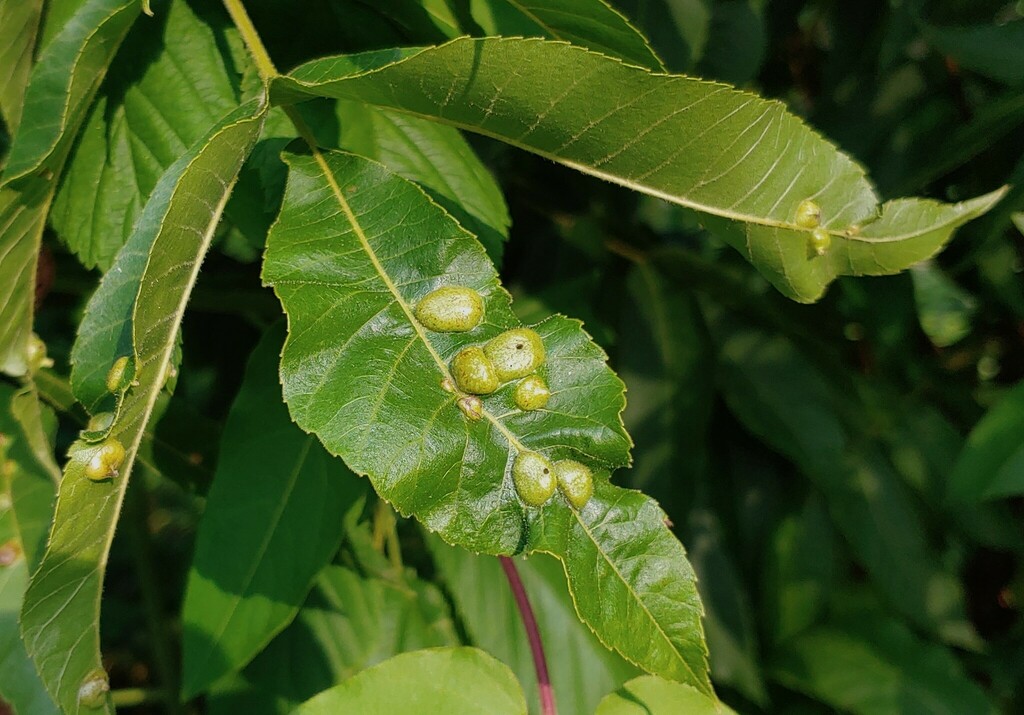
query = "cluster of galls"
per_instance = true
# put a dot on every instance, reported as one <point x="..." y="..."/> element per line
<point x="513" y="355"/>
<point x="808" y="215"/>
<point x="536" y="478"/>
<point x="479" y="370"/>
<point x="104" y="459"/>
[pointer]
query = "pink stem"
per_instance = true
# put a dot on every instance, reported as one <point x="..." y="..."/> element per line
<point x="547" y="695"/>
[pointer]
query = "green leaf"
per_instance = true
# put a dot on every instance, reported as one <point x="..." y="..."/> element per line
<point x="799" y="574"/>
<point x="744" y="162"/>
<point x="587" y="23"/>
<point x="106" y="330"/>
<point x="168" y="84"/>
<point x="32" y="428"/>
<point x="868" y="664"/>
<point x="995" y="51"/>
<point x="19" y="23"/>
<point x="944" y="308"/>
<point x="678" y="29"/>
<point x="789" y="404"/>
<point x="347" y="624"/>
<point x="737" y="41"/>
<point x="360" y="372"/>
<point x="663" y="354"/>
<point x="63" y="83"/>
<point x="61" y="87"/>
<point x="22" y="217"/>
<point x="437" y="158"/>
<point x="991" y="464"/>
<point x="648" y="695"/>
<point x="458" y="680"/>
<point x="159" y="265"/>
<point x="729" y="619"/>
<point x="26" y="505"/>
<point x="269" y="527"/>
<point x="582" y="670"/>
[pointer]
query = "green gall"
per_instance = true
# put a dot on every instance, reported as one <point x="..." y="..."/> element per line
<point x="575" y="481"/>
<point x="808" y="214"/>
<point x="105" y="460"/>
<point x="820" y="241"/>
<point x="447" y="385"/>
<point x="92" y="693"/>
<point x="471" y="407"/>
<point x="121" y="374"/>
<point x="35" y="354"/>
<point x="515" y="353"/>
<point x="451" y="309"/>
<point x="474" y="372"/>
<point x="534" y="478"/>
<point x="531" y="393"/>
<point x="100" y="422"/>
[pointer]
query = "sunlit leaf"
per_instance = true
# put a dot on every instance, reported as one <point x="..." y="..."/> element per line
<point x="437" y="158"/>
<point x="61" y="87"/>
<point x="744" y="162"/>
<point x="63" y="82"/>
<point x="170" y="72"/>
<point x="649" y="695"/>
<point x="457" y="680"/>
<point x="347" y="624"/>
<point x="155" y="272"/>
<point x="19" y="24"/>
<point x="353" y="249"/>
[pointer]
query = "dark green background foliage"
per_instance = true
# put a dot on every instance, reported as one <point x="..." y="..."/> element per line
<point x="837" y="441"/>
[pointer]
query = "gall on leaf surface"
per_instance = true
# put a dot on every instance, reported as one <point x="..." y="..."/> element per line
<point x="354" y="248"/>
<point x="743" y="162"/>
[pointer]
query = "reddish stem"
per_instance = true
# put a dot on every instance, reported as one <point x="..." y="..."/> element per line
<point x="547" y="695"/>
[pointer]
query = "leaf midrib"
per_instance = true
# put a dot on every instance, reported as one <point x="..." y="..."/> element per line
<point x="612" y="178"/>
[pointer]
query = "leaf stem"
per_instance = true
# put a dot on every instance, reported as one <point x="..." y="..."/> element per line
<point x="251" y="38"/>
<point x="547" y="695"/>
